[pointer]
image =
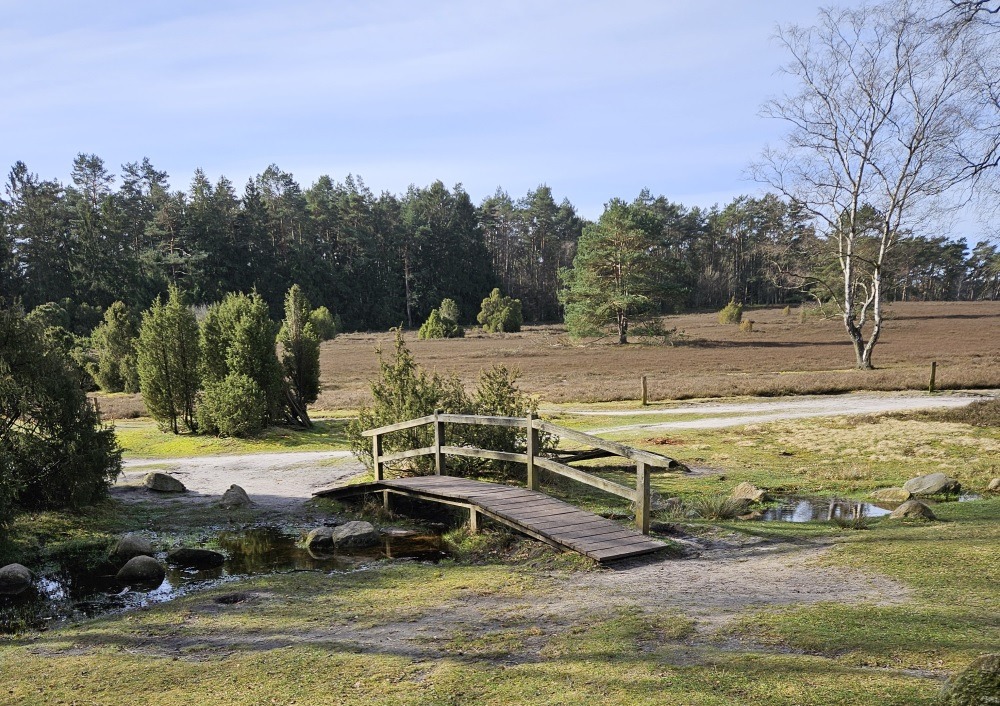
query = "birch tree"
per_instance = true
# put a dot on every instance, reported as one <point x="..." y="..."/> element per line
<point x="892" y="125"/>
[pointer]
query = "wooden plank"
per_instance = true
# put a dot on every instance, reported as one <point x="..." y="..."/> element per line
<point x="614" y="447"/>
<point x="584" y="477"/>
<point x="598" y="544"/>
<point x="484" y="420"/>
<point x="484" y="453"/>
<point x="399" y="426"/>
<point x="612" y="554"/>
<point x="530" y="514"/>
<point x="400" y="455"/>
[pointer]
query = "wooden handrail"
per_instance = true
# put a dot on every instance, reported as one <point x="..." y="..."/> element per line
<point x="644" y="460"/>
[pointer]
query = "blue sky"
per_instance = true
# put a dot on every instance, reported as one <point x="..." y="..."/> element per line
<point x="595" y="99"/>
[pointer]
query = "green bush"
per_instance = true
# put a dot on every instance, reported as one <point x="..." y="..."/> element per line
<point x="233" y="406"/>
<point x="115" y="368"/>
<point x="449" y="311"/>
<point x="54" y="452"/>
<point x="500" y="314"/>
<point x="404" y="391"/>
<point x="238" y="337"/>
<point x="438" y="326"/>
<point x="324" y="323"/>
<point x="732" y="313"/>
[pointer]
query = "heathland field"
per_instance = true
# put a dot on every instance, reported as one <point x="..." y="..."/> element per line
<point x="785" y="354"/>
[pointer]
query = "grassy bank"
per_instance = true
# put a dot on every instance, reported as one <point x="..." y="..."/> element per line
<point x="501" y="627"/>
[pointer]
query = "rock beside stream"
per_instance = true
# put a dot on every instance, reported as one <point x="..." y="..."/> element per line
<point x="993" y="486"/>
<point x="142" y="570"/>
<point x="933" y="484"/>
<point x="234" y="498"/>
<point x="749" y="492"/>
<point x="163" y="483"/>
<point x="15" y="578"/>
<point x="129" y="546"/>
<point x="347" y="536"/>
<point x="976" y="685"/>
<point x="196" y="558"/>
<point x="892" y="495"/>
<point x="912" y="509"/>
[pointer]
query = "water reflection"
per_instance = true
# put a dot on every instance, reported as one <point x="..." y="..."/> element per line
<point x="821" y="510"/>
<point x="812" y="509"/>
<point x="67" y="595"/>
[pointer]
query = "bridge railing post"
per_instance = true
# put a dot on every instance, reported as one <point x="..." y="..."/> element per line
<point x="378" y="468"/>
<point x="531" y="451"/>
<point x="642" y="497"/>
<point x="438" y="443"/>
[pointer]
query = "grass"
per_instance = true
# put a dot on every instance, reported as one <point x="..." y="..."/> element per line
<point x="143" y="439"/>
<point x="294" y="641"/>
<point x="951" y="569"/>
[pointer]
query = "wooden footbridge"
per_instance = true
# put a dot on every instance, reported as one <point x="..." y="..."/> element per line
<point x="525" y="509"/>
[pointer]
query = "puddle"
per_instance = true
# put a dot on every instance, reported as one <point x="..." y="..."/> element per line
<point x="811" y="509"/>
<point x="65" y="596"/>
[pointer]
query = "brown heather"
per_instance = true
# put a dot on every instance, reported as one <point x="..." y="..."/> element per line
<point x="783" y="356"/>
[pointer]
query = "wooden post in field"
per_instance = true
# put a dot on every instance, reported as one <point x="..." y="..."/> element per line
<point x="531" y="451"/>
<point x="378" y="468"/>
<point x="644" y="402"/>
<point x="473" y="520"/>
<point x="438" y="441"/>
<point x="930" y="388"/>
<point x="642" y="497"/>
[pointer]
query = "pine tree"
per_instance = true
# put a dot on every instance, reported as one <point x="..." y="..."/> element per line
<point x="168" y="362"/>
<point x="299" y="345"/>
<point x="113" y="343"/>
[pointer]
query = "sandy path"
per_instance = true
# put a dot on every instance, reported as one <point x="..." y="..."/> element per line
<point x="283" y="481"/>
<point x="276" y="481"/>
<point x="719" y="415"/>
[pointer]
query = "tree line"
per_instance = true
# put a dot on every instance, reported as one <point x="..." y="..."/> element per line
<point x="380" y="260"/>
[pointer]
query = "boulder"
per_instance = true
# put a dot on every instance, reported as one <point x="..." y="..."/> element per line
<point x="892" y="495"/>
<point x="234" y="498"/>
<point x="749" y="492"/>
<point x="196" y="558"/>
<point x="142" y="570"/>
<point x="933" y="484"/>
<point x="130" y="546"/>
<point x="976" y="685"/>
<point x="354" y="534"/>
<point x="163" y="483"/>
<point x="14" y="578"/>
<point x="320" y="538"/>
<point x="912" y="509"/>
<point x="993" y="486"/>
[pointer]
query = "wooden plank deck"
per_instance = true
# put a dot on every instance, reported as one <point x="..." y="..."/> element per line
<point x="535" y="514"/>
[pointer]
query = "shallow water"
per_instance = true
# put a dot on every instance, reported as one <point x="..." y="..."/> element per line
<point x="63" y="596"/>
<point x="812" y="509"/>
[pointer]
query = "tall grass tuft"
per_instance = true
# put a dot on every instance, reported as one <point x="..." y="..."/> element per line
<point x="717" y="507"/>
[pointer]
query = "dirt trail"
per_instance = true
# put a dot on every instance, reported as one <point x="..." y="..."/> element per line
<point x="283" y="481"/>
<point x="719" y="415"/>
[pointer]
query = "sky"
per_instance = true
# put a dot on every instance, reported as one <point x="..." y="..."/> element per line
<point x="596" y="99"/>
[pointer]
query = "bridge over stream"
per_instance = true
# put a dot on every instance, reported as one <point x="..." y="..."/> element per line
<point x="524" y="509"/>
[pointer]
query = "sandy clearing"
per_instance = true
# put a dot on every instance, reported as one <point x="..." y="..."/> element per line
<point x="720" y="415"/>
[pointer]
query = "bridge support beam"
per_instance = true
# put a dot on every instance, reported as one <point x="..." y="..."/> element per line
<point x="642" y="497"/>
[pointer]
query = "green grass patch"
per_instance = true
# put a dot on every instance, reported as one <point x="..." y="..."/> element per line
<point x="951" y="569"/>
<point x="143" y="439"/>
